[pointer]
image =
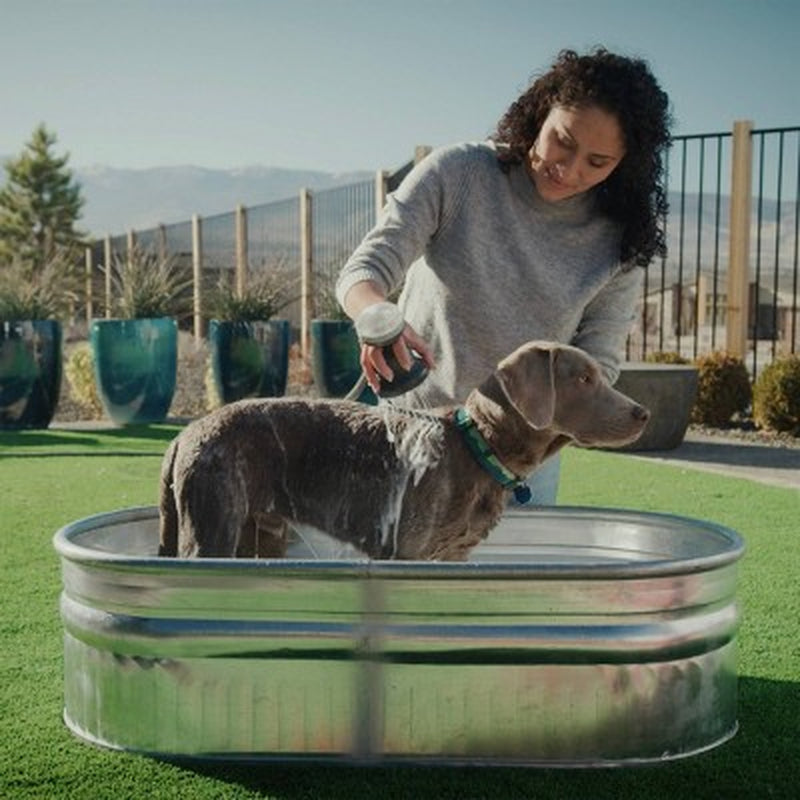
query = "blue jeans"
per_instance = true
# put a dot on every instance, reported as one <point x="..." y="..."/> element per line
<point x="543" y="484"/>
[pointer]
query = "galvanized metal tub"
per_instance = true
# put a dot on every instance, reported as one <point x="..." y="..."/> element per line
<point x="573" y="637"/>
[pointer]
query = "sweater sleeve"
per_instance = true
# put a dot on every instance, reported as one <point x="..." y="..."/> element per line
<point x="608" y="318"/>
<point x="411" y="218"/>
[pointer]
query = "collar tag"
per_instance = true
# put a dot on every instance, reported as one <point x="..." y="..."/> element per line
<point x="523" y="494"/>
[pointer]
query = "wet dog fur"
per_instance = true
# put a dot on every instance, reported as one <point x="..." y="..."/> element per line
<point x="395" y="484"/>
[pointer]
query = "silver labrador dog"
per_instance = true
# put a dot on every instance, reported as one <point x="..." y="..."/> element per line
<point x="393" y="483"/>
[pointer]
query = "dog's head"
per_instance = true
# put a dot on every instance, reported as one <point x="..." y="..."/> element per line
<point x="561" y="388"/>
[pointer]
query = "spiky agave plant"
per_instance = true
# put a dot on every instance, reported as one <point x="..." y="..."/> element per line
<point x="146" y="284"/>
<point x="266" y="292"/>
<point x="46" y="292"/>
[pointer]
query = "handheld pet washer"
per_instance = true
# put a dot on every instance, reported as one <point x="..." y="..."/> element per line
<point x="382" y="325"/>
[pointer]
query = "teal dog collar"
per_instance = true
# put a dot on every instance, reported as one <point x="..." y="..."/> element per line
<point x="483" y="454"/>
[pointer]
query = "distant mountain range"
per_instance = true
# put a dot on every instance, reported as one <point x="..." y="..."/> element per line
<point x="118" y="200"/>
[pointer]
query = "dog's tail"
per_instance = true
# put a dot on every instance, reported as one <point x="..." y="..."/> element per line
<point x="168" y="523"/>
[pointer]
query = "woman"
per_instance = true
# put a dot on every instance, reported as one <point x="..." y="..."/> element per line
<point x="540" y="233"/>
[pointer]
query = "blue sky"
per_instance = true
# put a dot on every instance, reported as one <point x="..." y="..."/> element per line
<point x="340" y="85"/>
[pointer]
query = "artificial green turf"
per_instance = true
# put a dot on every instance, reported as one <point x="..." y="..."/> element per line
<point x="49" y="478"/>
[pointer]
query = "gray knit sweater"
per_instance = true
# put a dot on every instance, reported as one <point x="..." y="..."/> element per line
<point x="489" y="265"/>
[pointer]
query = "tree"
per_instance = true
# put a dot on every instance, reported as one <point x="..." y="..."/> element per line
<point x="39" y="205"/>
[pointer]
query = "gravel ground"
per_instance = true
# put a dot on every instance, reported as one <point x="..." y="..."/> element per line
<point x="191" y="396"/>
<point x="747" y="432"/>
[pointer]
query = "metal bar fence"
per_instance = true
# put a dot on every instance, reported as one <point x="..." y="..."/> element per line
<point x="676" y="301"/>
<point x="340" y="219"/>
<point x="219" y="243"/>
<point x="773" y="295"/>
<point x="684" y="302"/>
<point x="273" y="241"/>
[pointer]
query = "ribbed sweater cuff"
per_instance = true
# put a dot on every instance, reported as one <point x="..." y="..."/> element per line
<point x="356" y="276"/>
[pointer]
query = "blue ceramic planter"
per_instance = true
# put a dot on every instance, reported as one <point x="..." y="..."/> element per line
<point x="135" y="363"/>
<point x="30" y="372"/>
<point x="335" y="354"/>
<point x="249" y="359"/>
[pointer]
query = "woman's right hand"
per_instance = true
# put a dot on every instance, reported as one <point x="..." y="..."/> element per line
<point x="359" y="297"/>
<point x="373" y="362"/>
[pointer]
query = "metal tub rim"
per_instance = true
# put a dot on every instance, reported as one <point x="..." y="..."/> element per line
<point x="730" y="548"/>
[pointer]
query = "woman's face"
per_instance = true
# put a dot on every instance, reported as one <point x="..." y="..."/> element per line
<point x="577" y="148"/>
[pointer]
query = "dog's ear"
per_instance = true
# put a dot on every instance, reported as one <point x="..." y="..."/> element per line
<point x="526" y="377"/>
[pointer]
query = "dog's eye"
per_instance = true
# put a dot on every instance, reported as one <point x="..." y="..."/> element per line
<point x="585" y="378"/>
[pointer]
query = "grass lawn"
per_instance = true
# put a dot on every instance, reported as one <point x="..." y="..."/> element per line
<point x="49" y="478"/>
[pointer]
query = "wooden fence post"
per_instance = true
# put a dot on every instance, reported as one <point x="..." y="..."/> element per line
<point x="306" y="271"/>
<point x="739" y="258"/>
<point x="421" y="151"/>
<point x="162" y="242"/>
<point x="89" y="262"/>
<point x="197" y="276"/>
<point x="380" y="191"/>
<point x="241" y="249"/>
<point x="108" y="257"/>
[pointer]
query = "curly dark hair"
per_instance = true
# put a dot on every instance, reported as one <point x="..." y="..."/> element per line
<point x="634" y="193"/>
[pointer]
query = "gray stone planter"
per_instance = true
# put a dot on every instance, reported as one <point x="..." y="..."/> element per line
<point x="669" y="391"/>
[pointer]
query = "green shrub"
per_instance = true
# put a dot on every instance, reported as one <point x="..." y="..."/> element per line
<point x="665" y="357"/>
<point x="776" y="396"/>
<point x="79" y="370"/>
<point x="723" y="389"/>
